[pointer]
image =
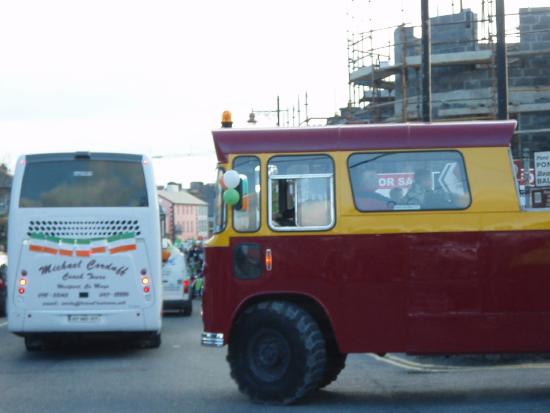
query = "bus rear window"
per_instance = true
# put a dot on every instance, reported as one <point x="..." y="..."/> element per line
<point x="83" y="183"/>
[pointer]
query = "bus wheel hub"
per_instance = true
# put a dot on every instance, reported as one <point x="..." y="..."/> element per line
<point x="270" y="355"/>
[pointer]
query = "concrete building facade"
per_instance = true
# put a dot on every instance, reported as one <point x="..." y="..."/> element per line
<point x="186" y="215"/>
<point x="464" y="83"/>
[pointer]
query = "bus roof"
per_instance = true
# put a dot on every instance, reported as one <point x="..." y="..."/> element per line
<point x="363" y="137"/>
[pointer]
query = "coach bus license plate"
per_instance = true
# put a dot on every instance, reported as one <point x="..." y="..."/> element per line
<point x="84" y="318"/>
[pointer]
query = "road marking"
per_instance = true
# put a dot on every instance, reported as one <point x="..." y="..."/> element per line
<point x="398" y="362"/>
<point x="432" y="368"/>
<point x="423" y="366"/>
<point x="5" y="323"/>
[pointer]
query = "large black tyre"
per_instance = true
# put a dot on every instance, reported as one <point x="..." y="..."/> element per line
<point x="276" y="352"/>
<point x="34" y="343"/>
<point x="150" y="340"/>
<point x="187" y="308"/>
<point x="336" y="362"/>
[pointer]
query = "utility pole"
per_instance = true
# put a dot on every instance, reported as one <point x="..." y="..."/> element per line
<point x="278" y="110"/>
<point x="307" y="116"/>
<point x="426" y="63"/>
<point x="502" y="63"/>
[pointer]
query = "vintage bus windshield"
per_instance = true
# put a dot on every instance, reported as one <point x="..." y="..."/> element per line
<point x="219" y="205"/>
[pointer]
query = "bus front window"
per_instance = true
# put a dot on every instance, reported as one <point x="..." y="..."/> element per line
<point x="247" y="218"/>
<point x="219" y="206"/>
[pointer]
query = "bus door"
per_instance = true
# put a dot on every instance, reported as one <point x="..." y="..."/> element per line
<point x="300" y="205"/>
<point x="247" y="251"/>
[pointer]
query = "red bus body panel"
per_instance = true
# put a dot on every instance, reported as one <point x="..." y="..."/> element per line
<point x="481" y="291"/>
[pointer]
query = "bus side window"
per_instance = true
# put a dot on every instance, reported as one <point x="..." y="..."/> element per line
<point x="314" y="213"/>
<point x="409" y="181"/>
<point x="283" y="205"/>
<point x="301" y="192"/>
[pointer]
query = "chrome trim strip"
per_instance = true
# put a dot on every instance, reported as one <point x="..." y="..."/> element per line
<point x="212" y="339"/>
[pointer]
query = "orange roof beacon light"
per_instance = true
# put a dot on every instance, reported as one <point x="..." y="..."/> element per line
<point x="226" y="119"/>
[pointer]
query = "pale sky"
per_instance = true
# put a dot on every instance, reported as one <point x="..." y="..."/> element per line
<point x="154" y="77"/>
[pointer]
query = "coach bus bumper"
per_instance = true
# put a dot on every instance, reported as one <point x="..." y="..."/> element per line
<point x="35" y="321"/>
<point x="212" y="339"/>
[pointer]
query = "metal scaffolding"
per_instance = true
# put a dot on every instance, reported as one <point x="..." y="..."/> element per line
<point x="384" y="64"/>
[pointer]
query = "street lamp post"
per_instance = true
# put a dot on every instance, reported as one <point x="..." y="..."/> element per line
<point x="252" y="116"/>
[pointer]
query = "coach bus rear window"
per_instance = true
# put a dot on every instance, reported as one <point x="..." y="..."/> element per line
<point x="83" y="183"/>
<point x="409" y="181"/>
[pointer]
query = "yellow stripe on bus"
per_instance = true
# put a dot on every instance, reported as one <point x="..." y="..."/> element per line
<point x="495" y="203"/>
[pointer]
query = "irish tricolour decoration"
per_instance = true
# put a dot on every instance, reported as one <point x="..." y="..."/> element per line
<point x="122" y="243"/>
<point x="82" y="247"/>
<point x="43" y="243"/>
<point x="66" y="247"/>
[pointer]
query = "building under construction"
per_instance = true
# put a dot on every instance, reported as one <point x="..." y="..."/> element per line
<point x="385" y="80"/>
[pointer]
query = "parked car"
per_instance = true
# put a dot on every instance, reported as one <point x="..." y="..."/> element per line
<point x="176" y="280"/>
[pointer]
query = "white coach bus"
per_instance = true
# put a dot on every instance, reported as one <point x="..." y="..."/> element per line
<point x="84" y="249"/>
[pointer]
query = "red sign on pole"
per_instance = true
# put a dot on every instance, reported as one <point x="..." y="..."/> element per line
<point x="520" y="173"/>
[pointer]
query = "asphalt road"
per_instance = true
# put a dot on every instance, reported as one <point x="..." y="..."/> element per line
<point x="184" y="377"/>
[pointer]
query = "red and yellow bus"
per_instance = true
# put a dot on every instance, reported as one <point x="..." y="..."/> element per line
<point x="370" y="238"/>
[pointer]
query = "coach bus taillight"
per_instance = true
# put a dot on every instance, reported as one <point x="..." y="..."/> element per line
<point x="22" y="283"/>
<point x="145" y="282"/>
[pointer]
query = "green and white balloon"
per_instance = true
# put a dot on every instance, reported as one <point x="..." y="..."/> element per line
<point x="231" y="196"/>
<point x="231" y="179"/>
